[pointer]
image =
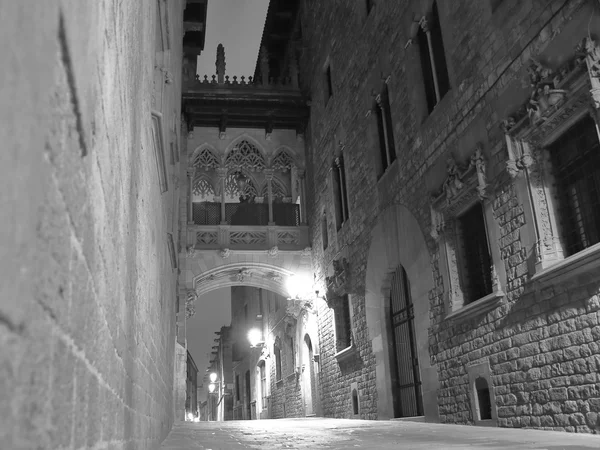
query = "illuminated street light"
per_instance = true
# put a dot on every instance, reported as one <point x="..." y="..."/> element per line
<point x="213" y="377"/>
<point x="212" y="387"/>
<point x="298" y="286"/>
<point x="255" y="337"/>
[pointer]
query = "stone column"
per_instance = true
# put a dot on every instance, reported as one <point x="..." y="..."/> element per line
<point x="190" y="174"/>
<point x="269" y="176"/>
<point x="222" y="173"/>
<point x="425" y="27"/>
<point x="303" y="215"/>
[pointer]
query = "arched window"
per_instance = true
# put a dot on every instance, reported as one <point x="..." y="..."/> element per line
<point x="483" y="398"/>
<point x="205" y="159"/>
<point x="433" y="58"/>
<point x="246" y="156"/>
<point x="282" y="161"/>
<point x="278" y="189"/>
<point x="203" y="187"/>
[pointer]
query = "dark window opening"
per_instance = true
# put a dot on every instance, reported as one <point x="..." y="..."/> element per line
<point x="369" y="5"/>
<point x="263" y="384"/>
<point x="433" y="51"/>
<point x="575" y="160"/>
<point x="483" y="399"/>
<point x="324" y="231"/>
<point x="292" y="362"/>
<point x="494" y="4"/>
<point x="343" y="326"/>
<point x="385" y="131"/>
<point x="277" y="353"/>
<point x="476" y="276"/>
<point x="354" y="402"/>
<point x="329" y="84"/>
<point x="194" y="12"/>
<point x="237" y="387"/>
<point x="340" y="193"/>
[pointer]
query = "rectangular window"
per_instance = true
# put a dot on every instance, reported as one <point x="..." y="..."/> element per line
<point x="324" y="231"/>
<point x="476" y="263"/>
<point x="385" y="131"/>
<point x="340" y="193"/>
<point x="277" y="353"/>
<point x="263" y="384"/>
<point x="369" y="6"/>
<point x="292" y="365"/>
<point x="328" y="84"/>
<point x="433" y="59"/>
<point x="343" y="324"/>
<point x="575" y="160"/>
<point x="237" y="387"/>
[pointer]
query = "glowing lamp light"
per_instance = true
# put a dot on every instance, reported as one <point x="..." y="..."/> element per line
<point x="255" y="337"/>
<point x="211" y="387"/>
<point x="190" y="417"/>
<point x="298" y="286"/>
<point x="213" y="377"/>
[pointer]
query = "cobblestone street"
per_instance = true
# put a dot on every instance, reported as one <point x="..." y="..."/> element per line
<point x="319" y="433"/>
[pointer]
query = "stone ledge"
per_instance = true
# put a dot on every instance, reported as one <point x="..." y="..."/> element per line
<point x="346" y="353"/>
<point x="583" y="262"/>
<point x="477" y="307"/>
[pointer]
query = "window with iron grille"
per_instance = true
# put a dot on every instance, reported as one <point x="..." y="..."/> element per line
<point x="385" y="131"/>
<point x="575" y="160"/>
<point x="339" y="190"/>
<point x="343" y="324"/>
<point x="433" y="59"/>
<point x="476" y="263"/>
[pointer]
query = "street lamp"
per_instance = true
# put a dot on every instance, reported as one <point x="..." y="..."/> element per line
<point x="298" y="286"/>
<point x="255" y="338"/>
<point x="213" y="382"/>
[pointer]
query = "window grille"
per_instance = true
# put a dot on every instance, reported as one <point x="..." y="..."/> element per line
<point x="476" y="273"/>
<point x="206" y="213"/>
<point x="245" y="155"/>
<point x="575" y="160"/>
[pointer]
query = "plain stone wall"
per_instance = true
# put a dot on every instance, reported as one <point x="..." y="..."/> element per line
<point x="87" y="298"/>
<point x="541" y="345"/>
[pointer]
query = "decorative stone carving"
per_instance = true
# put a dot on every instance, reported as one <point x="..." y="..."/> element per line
<point x="191" y="251"/>
<point x="589" y="51"/>
<point x="437" y="222"/>
<point x="191" y="298"/>
<point x="225" y="253"/>
<point x="478" y="162"/>
<point x="273" y="251"/>
<point x="306" y="251"/>
<point x="338" y="283"/>
<point x="242" y="275"/>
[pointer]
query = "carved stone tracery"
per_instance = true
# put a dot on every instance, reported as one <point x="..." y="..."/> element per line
<point x="338" y="284"/>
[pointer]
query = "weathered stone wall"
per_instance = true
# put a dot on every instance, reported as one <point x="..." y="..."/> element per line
<point x="87" y="303"/>
<point x="540" y="343"/>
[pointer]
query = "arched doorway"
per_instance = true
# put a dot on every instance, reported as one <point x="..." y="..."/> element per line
<point x="397" y="240"/>
<point x="310" y="388"/>
<point x="404" y="361"/>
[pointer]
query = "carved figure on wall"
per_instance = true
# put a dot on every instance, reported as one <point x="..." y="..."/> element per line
<point x="225" y="253"/>
<point x="437" y="221"/>
<point x="478" y="161"/>
<point x="191" y="298"/>
<point x="589" y="52"/>
<point x="453" y="183"/>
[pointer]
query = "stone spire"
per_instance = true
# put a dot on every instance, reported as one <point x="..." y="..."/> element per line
<point x="220" y="64"/>
<point x="264" y="66"/>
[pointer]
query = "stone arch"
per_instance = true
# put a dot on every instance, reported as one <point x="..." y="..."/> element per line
<point x="396" y="240"/>
<point x="208" y="270"/>
<point x="283" y="159"/>
<point x="206" y="157"/>
<point x="253" y="164"/>
<point x="278" y="188"/>
<point x="203" y="185"/>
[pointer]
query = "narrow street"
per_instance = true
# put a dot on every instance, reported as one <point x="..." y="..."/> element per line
<point x="319" y="433"/>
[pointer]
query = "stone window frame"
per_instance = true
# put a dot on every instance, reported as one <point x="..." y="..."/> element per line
<point x="528" y="134"/>
<point x="278" y="364"/>
<point x="476" y="370"/>
<point x="462" y="189"/>
<point x="347" y="352"/>
<point x="382" y="109"/>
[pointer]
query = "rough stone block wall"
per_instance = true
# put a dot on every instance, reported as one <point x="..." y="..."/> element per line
<point x="541" y="344"/>
<point x="87" y="319"/>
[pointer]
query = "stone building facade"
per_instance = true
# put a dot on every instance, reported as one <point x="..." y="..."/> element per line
<point x="278" y="375"/>
<point x="90" y="95"/>
<point x="447" y="198"/>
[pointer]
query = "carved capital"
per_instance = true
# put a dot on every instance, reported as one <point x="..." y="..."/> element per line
<point x="222" y="173"/>
<point x="269" y="174"/>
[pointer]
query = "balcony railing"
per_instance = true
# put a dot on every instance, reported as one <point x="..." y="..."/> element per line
<point x="209" y="213"/>
<point x="247" y="237"/>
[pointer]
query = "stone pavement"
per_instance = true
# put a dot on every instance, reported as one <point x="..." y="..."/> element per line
<point x="320" y="433"/>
